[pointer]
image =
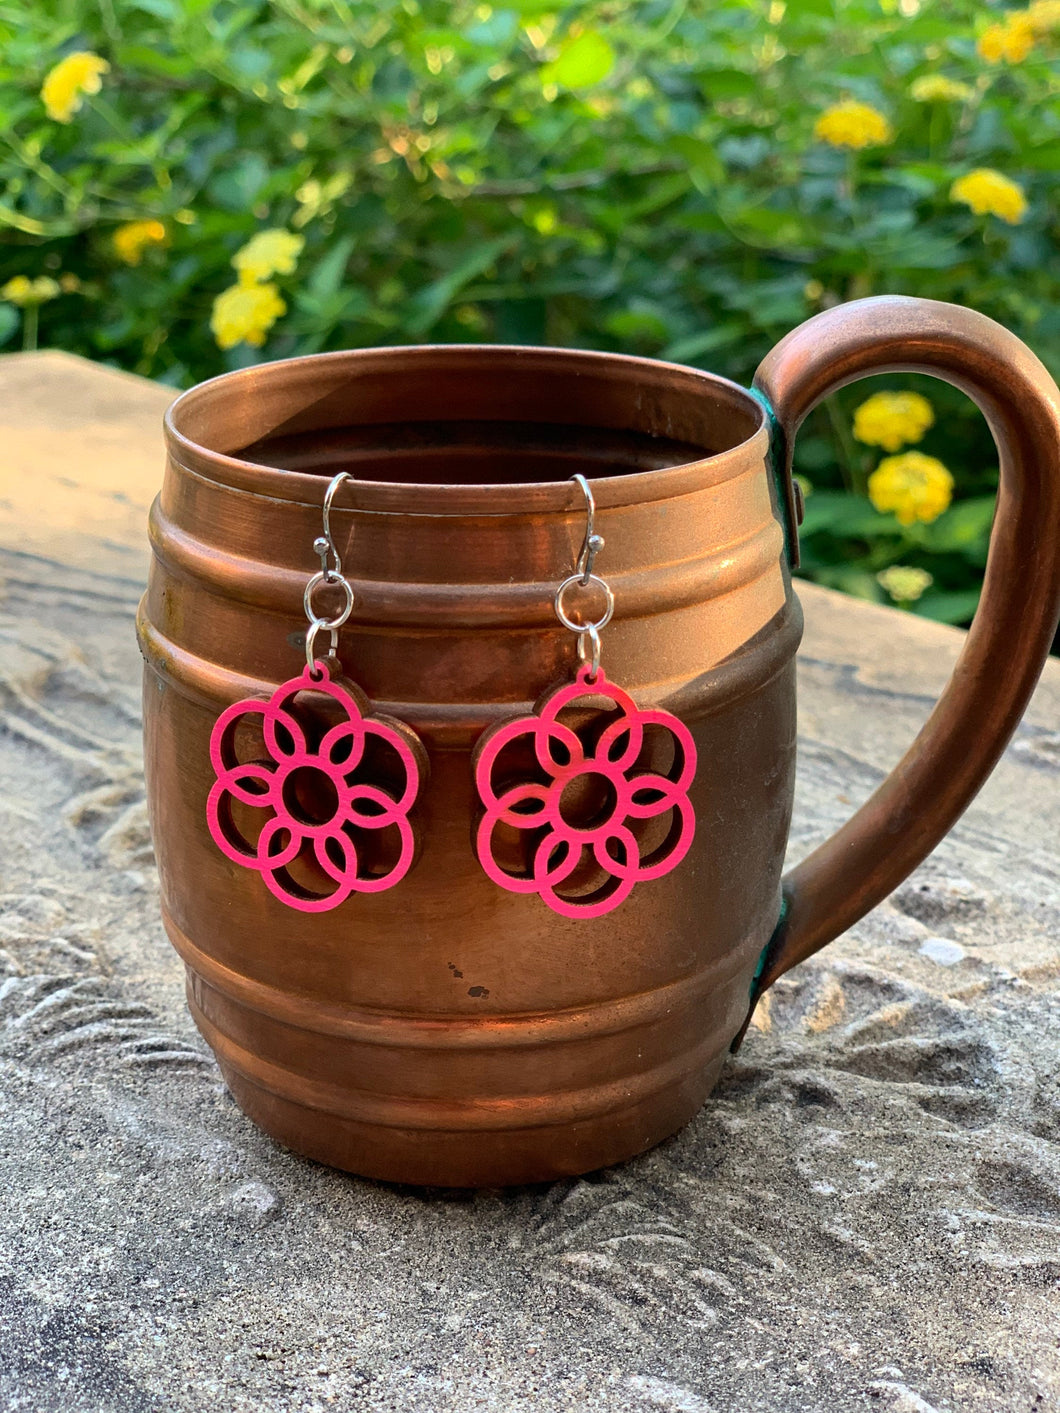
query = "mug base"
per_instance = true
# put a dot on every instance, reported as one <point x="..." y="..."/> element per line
<point x="500" y="1158"/>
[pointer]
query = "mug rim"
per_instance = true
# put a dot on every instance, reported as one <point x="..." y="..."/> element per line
<point x="457" y="497"/>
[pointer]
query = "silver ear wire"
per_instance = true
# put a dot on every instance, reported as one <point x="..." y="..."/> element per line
<point x="330" y="573"/>
<point x="583" y="576"/>
<point x="593" y="543"/>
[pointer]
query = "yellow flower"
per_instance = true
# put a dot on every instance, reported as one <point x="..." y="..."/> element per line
<point x="70" y="78"/>
<point x="890" y="419"/>
<point x="21" y="290"/>
<point x="131" y="239"/>
<point x="937" y="88"/>
<point x="18" y="290"/>
<point x="245" y="314"/>
<point x="1012" y="40"/>
<point x="1044" y="16"/>
<point x="268" y="253"/>
<point x="989" y="193"/>
<point x="904" y="583"/>
<point x="850" y="124"/>
<point x="914" y="486"/>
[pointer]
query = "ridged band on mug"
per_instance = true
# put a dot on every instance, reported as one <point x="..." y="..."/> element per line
<point x="365" y="1025"/>
<point x="457" y="725"/>
<point x="237" y="579"/>
<point x="486" y="1113"/>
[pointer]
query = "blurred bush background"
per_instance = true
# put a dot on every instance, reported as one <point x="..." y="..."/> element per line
<point x="684" y="179"/>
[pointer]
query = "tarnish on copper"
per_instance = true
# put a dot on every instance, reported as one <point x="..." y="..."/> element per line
<point x="450" y="1031"/>
<point x="788" y="492"/>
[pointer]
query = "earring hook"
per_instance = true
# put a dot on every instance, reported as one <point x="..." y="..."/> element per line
<point x="583" y="576"/>
<point x="593" y="543"/>
<point x="330" y="573"/>
<point x="324" y="545"/>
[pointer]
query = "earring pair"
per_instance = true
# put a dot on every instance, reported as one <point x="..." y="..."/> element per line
<point x="569" y="810"/>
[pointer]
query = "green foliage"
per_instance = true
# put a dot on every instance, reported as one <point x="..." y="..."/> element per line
<point x="639" y="175"/>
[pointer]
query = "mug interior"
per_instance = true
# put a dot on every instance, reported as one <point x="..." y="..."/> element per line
<point x="472" y="451"/>
<point x="468" y="415"/>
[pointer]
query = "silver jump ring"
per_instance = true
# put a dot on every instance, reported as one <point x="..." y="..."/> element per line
<point x="322" y="577"/>
<point x="567" y="621"/>
<point x="310" y="644"/>
<point x="592" y="632"/>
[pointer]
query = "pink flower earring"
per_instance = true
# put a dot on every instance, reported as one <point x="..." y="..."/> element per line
<point x="572" y="809"/>
<point x="314" y="790"/>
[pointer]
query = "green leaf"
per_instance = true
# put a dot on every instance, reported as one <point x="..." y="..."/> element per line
<point x="813" y="454"/>
<point x="8" y="322"/>
<point x="146" y="59"/>
<point x="948" y="606"/>
<point x="161" y="9"/>
<point x="702" y="157"/>
<point x="238" y="188"/>
<point x="430" y="303"/>
<point x="764" y="228"/>
<point x="857" y="582"/>
<point x="795" y="10"/>
<point x="1045" y="157"/>
<point x="728" y="83"/>
<point x="520" y="320"/>
<point x="329" y="272"/>
<point x="317" y="318"/>
<point x="693" y="346"/>
<point x="965" y="524"/>
<point x="497" y="32"/>
<point x="664" y="190"/>
<point x="250" y="63"/>
<point x="846" y="517"/>
<point x="583" y="61"/>
<point x="638" y="325"/>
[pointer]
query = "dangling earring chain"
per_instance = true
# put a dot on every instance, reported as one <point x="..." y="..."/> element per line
<point x="583" y="576"/>
<point x="330" y="573"/>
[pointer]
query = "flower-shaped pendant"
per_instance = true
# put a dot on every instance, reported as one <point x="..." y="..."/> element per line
<point x="573" y="814"/>
<point x="314" y="791"/>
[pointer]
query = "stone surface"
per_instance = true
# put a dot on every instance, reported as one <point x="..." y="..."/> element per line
<point x="867" y="1216"/>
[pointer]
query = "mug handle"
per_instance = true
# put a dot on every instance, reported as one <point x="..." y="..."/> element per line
<point x="1008" y="641"/>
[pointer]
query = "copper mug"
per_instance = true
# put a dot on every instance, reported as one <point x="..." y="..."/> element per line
<point x="447" y="1031"/>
